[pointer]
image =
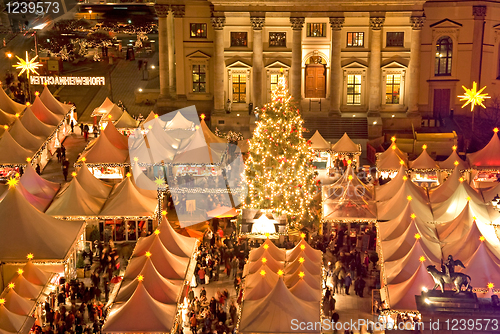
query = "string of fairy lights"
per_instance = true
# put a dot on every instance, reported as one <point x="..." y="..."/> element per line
<point x="279" y="170"/>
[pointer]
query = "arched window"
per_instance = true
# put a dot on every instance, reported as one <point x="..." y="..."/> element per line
<point x="444" y="51"/>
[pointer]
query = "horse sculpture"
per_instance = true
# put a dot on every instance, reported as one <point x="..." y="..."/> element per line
<point x="441" y="278"/>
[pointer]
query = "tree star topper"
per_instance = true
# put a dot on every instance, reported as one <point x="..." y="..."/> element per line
<point x="28" y="65"/>
<point x="473" y="96"/>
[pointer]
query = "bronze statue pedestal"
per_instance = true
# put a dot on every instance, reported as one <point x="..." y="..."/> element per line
<point x="449" y="301"/>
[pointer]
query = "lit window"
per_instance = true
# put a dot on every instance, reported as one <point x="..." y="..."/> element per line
<point x="277" y="39"/>
<point x="238" y="39"/>
<point x="395" y="39"/>
<point x="239" y="88"/>
<point x="444" y="49"/>
<point x="355" y="39"/>
<point x="199" y="79"/>
<point x="199" y="30"/>
<point x="392" y="88"/>
<point x="316" y="30"/>
<point x="354" y="89"/>
<point x="274" y="81"/>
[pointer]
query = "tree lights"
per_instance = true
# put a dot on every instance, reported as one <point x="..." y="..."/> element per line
<point x="279" y="171"/>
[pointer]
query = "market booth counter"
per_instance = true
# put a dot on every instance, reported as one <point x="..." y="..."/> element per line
<point x="424" y="170"/>
<point x="485" y="163"/>
<point x="322" y="153"/>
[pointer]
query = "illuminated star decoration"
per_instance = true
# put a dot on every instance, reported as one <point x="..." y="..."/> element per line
<point x="473" y="96"/>
<point x="28" y="65"/>
<point x="160" y="182"/>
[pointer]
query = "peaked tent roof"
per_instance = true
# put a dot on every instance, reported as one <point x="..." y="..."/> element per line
<point x="37" y="185"/>
<point x="25" y="288"/>
<point x="303" y="291"/>
<point x="489" y="193"/>
<point x="25" y="138"/>
<point x="255" y="266"/>
<point x="394" y="149"/>
<point x="11" y="322"/>
<point x="34" y="274"/>
<point x="261" y="287"/>
<point x="488" y="156"/>
<point x="424" y="161"/>
<point x="399" y="293"/>
<point x="51" y="102"/>
<point x="161" y="289"/>
<point x="179" y="122"/>
<point x="140" y="314"/>
<point x="6" y="118"/>
<point x="113" y="114"/>
<point x="391" y="208"/>
<point x="198" y="151"/>
<point x="483" y="266"/>
<point x="312" y="267"/>
<point x="9" y="105"/>
<point x="450" y="208"/>
<point x="387" y="191"/>
<point x="103" y="151"/>
<point x="43" y="113"/>
<point x="274" y="313"/>
<point x="210" y="137"/>
<point x="296" y="252"/>
<point x="456" y="229"/>
<point x="12" y="152"/>
<point x="319" y="143"/>
<point x="129" y="202"/>
<point x="92" y="185"/>
<point x="126" y="121"/>
<point x="446" y="189"/>
<point x="73" y="200"/>
<point x="163" y="137"/>
<point x="150" y="117"/>
<point x="17" y="304"/>
<point x="174" y="242"/>
<point x="346" y="145"/>
<point x="104" y="108"/>
<point x="115" y="137"/>
<point x="390" y="159"/>
<point x="394" y="228"/>
<point x="252" y="280"/>
<point x="449" y="163"/>
<point x="34" y="232"/>
<point x="292" y="278"/>
<point x="272" y="250"/>
<point x="36" y="126"/>
<point x="167" y="264"/>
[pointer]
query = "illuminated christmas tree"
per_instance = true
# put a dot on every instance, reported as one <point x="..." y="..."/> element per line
<point x="279" y="170"/>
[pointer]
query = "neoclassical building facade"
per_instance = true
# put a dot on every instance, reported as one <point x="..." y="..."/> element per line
<point x="375" y="58"/>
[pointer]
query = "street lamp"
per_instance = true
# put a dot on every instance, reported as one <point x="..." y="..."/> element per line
<point x="90" y="14"/>
<point x="10" y="55"/>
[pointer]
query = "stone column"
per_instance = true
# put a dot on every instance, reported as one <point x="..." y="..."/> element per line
<point x="258" y="60"/>
<point x="162" y="12"/>
<point x="177" y="82"/>
<point x="479" y="13"/>
<point x="335" y="66"/>
<point x="414" y="66"/>
<point x="296" y="71"/>
<point x="218" y="25"/>
<point x="376" y="24"/>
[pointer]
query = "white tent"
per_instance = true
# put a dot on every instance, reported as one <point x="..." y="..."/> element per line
<point x="25" y="288"/>
<point x="11" y="152"/>
<point x="149" y="149"/>
<point x="252" y="280"/>
<point x="450" y="208"/>
<point x="303" y="261"/>
<point x="128" y="202"/>
<point x="161" y="289"/>
<point x="43" y="113"/>
<point x="37" y="185"/>
<point x="74" y="201"/>
<point x="179" y="122"/>
<point x="424" y="161"/>
<point x="319" y="143"/>
<point x="390" y="158"/>
<point x="176" y="243"/>
<point x="303" y="247"/>
<point x="262" y="286"/>
<point x="449" y="163"/>
<point x="167" y="264"/>
<point x="303" y="291"/>
<point x="35" y="275"/>
<point x="126" y="121"/>
<point x="391" y="208"/>
<point x="51" y="102"/>
<point x="488" y="156"/>
<point x="455" y="182"/>
<point x="267" y="250"/>
<point x="103" y="109"/>
<point x="163" y="137"/>
<point x="140" y="314"/>
<point x="198" y="151"/>
<point x="386" y="191"/>
<point x="27" y="230"/>
<point x="24" y="138"/>
<point x="92" y="185"/>
<point x="346" y="145"/>
<point x="275" y="312"/>
<point x="103" y="151"/>
<point x="255" y="266"/>
<point x="6" y="118"/>
<point x="483" y="267"/>
<point x="210" y="137"/>
<point x="115" y="137"/>
<point x="15" y="323"/>
<point x="291" y="278"/>
<point x="9" y="105"/>
<point x="17" y="304"/>
<point x="401" y="296"/>
<point x="394" y="228"/>
<point x="36" y="126"/>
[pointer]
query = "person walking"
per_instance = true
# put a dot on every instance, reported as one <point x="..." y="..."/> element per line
<point x="65" y="169"/>
<point x="72" y="124"/>
<point x="347" y="283"/>
<point x="193" y="323"/>
<point x="63" y="152"/>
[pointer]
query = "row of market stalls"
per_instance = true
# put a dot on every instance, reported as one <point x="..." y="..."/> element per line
<point x="419" y="228"/>
<point x="482" y="167"/>
<point x="280" y="286"/>
<point x="150" y="298"/>
<point x="330" y="155"/>
<point x="18" y="301"/>
<point x="31" y="132"/>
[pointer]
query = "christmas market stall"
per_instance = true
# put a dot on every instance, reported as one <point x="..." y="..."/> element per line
<point x="485" y="163"/>
<point x="322" y="158"/>
<point x="447" y="166"/>
<point x="345" y="149"/>
<point x="424" y="170"/>
<point x="52" y="241"/>
<point x="108" y="155"/>
<point x="10" y="106"/>
<point x="389" y="161"/>
<point x="126" y="123"/>
<point x="262" y="224"/>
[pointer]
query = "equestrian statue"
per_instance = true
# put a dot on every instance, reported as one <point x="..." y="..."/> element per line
<point x="447" y="275"/>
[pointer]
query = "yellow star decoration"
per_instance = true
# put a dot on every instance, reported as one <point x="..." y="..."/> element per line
<point x="148" y="254"/>
<point x="422" y="258"/>
<point x="140" y="278"/>
<point x="11" y="285"/>
<point x="491" y="285"/>
<point x="30" y="256"/>
<point x="263" y="272"/>
<point x="160" y="182"/>
<point x="474" y="96"/>
<point x="417" y="236"/>
<point x="12" y="182"/>
<point x="266" y="246"/>
<point x="20" y="271"/>
<point x="302" y="247"/>
<point x="301" y="259"/>
<point x="28" y="65"/>
<point x="264" y="260"/>
<point x="280" y="272"/>
<point x="301" y="274"/>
